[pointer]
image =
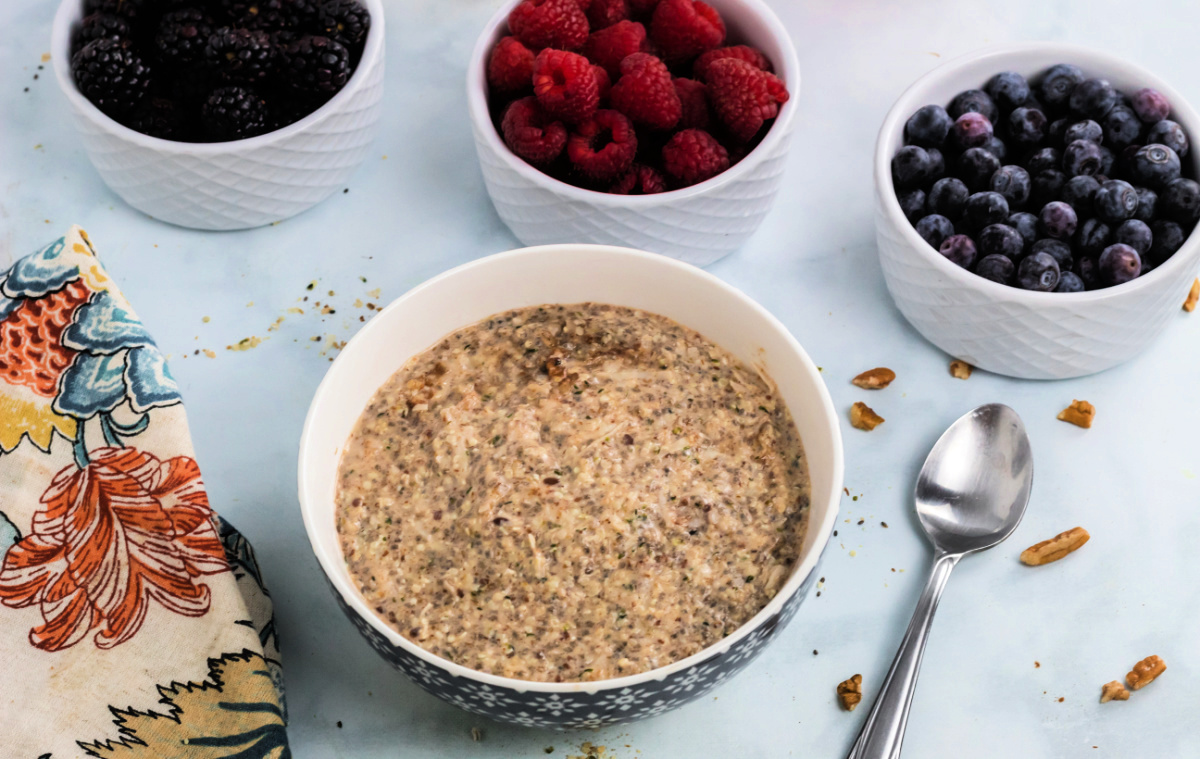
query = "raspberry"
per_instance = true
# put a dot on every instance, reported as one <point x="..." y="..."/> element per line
<point x="641" y="7"/>
<point x="549" y="23"/>
<point x="693" y="96"/>
<point x="608" y="47"/>
<point x="510" y="66"/>
<point x="693" y="155"/>
<point x="603" y="83"/>
<point x="640" y="180"/>
<point x="683" y="29"/>
<point x="743" y="97"/>
<point x="565" y="85"/>
<point x="745" y="53"/>
<point x="645" y="93"/>
<point x="530" y="133"/>
<point x="602" y="14"/>
<point x="603" y="147"/>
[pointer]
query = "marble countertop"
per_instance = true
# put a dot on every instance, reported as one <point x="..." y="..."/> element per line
<point x="418" y="207"/>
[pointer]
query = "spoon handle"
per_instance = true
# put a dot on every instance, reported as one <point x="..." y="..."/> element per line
<point x="883" y="733"/>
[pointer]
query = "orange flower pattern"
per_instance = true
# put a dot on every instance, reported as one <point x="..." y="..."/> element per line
<point x="31" y="353"/>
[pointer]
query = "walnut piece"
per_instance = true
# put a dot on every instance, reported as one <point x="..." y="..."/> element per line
<point x="863" y="417"/>
<point x="1144" y="672"/>
<point x="1193" y="297"/>
<point x="875" y="379"/>
<point x="1079" y="413"/>
<point x="849" y="692"/>
<point x="1113" y="691"/>
<point x="960" y="369"/>
<point x="1055" y="548"/>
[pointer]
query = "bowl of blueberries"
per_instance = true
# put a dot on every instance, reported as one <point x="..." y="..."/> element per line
<point x="1035" y="208"/>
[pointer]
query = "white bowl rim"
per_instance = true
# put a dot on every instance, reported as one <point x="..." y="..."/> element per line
<point x="60" y="45"/>
<point x="477" y="104"/>
<point x="334" y="565"/>
<point x="1086" y="57"/>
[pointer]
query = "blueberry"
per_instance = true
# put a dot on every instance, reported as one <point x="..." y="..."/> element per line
<point x="1136" y="234"/>
<point x="984" y="208"/>
<point x="912" y="203"/>
<point x="1043" y="160"/>
<point x="1058" y="220"/>
<point x="1069" y="282"/>
<point x="1027" y="225"/>
<point x="1057" y="84"/>
<point x="1008" y="90"/>
<point x="1001" y="240"/>
<point x="1093" y="237"/>
<point x="1038" y="271"/>
<point x="1147" y="204"/>
<point x="1151" y="106"/>
<point x="937" y="164"/>
<point x="971" y="130"/>
<point x="1121" y="127"/>
<point x="1154" y="165"/>
<point x="1168" y="238"/>
<point x="928" y="127"/>
<point x="1055" y="133"/>
<point x="1179" y="201"/>
<point x="1047" y="186"/>
<point x="1119" y="264"/>
<point x="974" y="101"/>
<point x="976" y="167"/>
<point x="934" y="229"/>
<point x="1108" y="159"/>
<point x="1084" y="130"/>
<point x="1167" y="132"/>
<point x="1078" y="193"/>
<point x="947" y="197"/>
<point x="1027" y="126"/>
<point x="1092" y="98"/>
<point x="1081" y="157"/>
<point x="996" y="147"/>
<point x="1115" y="201"/>
<point x="958" y="249"/>
<point x="1013" y="183"/>
<point x="1056" y="249"/>
<point x="910" y="167"/>
<point x="999" y="269"/>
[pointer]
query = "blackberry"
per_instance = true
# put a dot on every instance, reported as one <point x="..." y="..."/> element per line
<point x="316" y="64"/>
<point x="344" y="21"/>
<point x="158" y="117"/>
<point x="111" y="75"/>
<point x="234" y="113"/>
<point x="129" y="9"/>
<point x="100" y="25"/>
<point x="242" y="56"/>
<point x="182" y="36"/>
<point x="274" y="15"/>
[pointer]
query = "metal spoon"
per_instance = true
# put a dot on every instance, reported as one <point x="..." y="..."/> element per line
<point x="971" y="495"/>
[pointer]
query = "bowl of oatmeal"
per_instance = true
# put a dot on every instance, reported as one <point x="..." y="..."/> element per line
<point x="570" y="485"/>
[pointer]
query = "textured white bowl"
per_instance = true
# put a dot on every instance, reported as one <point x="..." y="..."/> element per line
<point x="698" y="224"/>
<point x="1002" y="329"/>
<point x="566" y="274"/>
<point x="239" y="184"/>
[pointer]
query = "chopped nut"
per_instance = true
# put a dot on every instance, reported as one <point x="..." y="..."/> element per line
<point x="1193" y="297"/>
<point x="960" y="369"/>
<point x="862" y="417"/>
<point x="1055" y="548"/>
<point x="1079" y="413"/>
<point x="1144" y="672"/>
<point x="1113" y="691"/>
<point x="849" y="692"/>
<point x="875" y="379"/>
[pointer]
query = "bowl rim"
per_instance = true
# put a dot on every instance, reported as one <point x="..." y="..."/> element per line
<point x="333" y="565"/>
<point x="477" y="104"/>
<point x="1088" y="58"/>
<point x="70" y="12"/>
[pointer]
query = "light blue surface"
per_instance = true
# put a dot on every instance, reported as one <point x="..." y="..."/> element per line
<point x="1131" y="480"/>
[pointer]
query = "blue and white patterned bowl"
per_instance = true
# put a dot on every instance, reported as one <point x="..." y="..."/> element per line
<point x="567" y="274"/>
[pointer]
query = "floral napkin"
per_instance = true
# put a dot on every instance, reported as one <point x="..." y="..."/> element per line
<point x="133" y="620"/>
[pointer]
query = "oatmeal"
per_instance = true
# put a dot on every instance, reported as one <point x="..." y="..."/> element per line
<point x="569" y="493"/>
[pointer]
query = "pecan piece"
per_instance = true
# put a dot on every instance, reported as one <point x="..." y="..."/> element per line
<point x="875" y="379"/>
<point x="1079" y="413"/>
<point x="1113" y="691"/>
<point x="863" y="417"/>
<point x="849" y="692"/>
<point x="960" y="369"/>
<point x="1193" y="297"/>
<point x="1055" y="548"/>
<point x="1144" y="672"/>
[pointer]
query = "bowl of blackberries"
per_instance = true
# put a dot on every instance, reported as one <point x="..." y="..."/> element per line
<point x="222" y="114"/>
<point x="1036" y="207"/>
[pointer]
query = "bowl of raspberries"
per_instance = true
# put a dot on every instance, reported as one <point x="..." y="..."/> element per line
<point x="1036" y="207"/>
<point x="222" y="114"/>
<point x="654" y="124"/>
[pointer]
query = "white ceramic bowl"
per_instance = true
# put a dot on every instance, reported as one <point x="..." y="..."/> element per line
<point x="239" y="184"/>
<point x="697" y="224"/>
<point x="567" y="274"/>
<point x="1002" y="329"/>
